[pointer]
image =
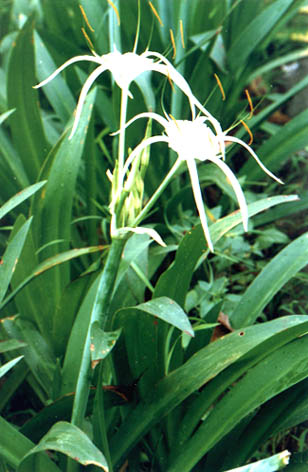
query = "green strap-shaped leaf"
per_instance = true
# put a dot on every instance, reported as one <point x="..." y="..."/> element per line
<point x="175" y="282"/>
<point x="8" y="365"/>
<point x="69" y="440"/>
<point x="57" y="91"/>
<point x="26" y="124"/>
<point x="292" y="137"/>
<point x="10" y="257"/>
<point x="14" y="446"/>
<point x="10" y="345"/>
<point x="255" y="32"/>
<point x="102" y="342"/>
<point x="278" y="371"/>
<point x="54" y="203"/>
<point x="166" y="309"/>
<point x="37" y="353"/>
<point x="182" y="382"/>
<point x="211" y="392"/>
<point x="12" y="169"/>
<point x="270" y="280"/>
<point x="282" y="412"/>
<point x="49" y="264"/>
<point x="53" y="206"/>
<point x="19" y="198"/>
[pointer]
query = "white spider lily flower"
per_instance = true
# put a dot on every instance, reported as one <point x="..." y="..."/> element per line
<point x="125" y="68"/>
<point x="194" y="140"/>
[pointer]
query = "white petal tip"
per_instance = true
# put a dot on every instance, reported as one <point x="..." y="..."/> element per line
<point x="210" y="245"/>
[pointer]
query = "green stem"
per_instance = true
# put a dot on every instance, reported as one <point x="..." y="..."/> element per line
<point x="119" y="177"/>
<point x="158" y="192"/>
<point x="99" y="425"/>
<point x="121" y="150"/>
<point x="100" y="313"/>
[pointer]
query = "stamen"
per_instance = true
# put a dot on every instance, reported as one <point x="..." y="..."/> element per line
<point x="170" y="81"/>
<point x="220" y="87"/>
<point x="115" y="10"/>
<point x="250" y="103"/>
<point x="182" y="33"/>
<point x="156" y="13"/>
<point x="87" y="39"/>
<point x="248" y="131"/>
<point x="175" y="122"/>
<point x="137" y="29"/>
<point x="173" y="43"/>
<point x="86" y="18"/>
<point x="210" y="215"/>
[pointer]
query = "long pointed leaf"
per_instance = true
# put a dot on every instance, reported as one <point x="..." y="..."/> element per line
<point x="10" y="257"/>
<point x="174" y="283"/>
<point x="26" y="124"/>
<point x="270" y="280"/>
<point x="68" y="439"/>
<point x="19" y="198"/>
<point x="14" y="446"/>
<point x="203" y="366"/>
<point x="283" y="368"/>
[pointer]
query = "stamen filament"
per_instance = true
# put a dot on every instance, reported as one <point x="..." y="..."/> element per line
<point x="182" y="33"/>
<point x="87" y="38"/>
<point x="220" y="87"/>
<point x="155" y="12"/>
<point x="250" y="104"/>
<point x="115" y="10"/>
<point x="173" y="43"/>
<point x="86" y="18"/>
<point x="248" y="131"/>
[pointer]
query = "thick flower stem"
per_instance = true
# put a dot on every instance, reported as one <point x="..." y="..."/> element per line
<point x="100" y="312"/>
<point x="121" y="150"/>
<point x="118" y="184"/>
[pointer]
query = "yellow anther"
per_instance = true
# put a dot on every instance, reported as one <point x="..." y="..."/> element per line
<point x="173" y="43"/>
<point x="220" y="86"/>
<point x="210" y="215"/>
<point x="86" y="18"/>
<point x="248" y="131"/>
<point x="115" y="10"/>
<point x="182" y="33"/>
<point x="87" y="39"/>
<point x="155" y="12"/>
<point x="250" y="103"/>
<point x="175" y="122"/>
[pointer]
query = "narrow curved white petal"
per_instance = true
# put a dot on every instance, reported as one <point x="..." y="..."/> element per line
<point x="95" y="59"/>
<point x="140" y="147"/>
<point x="179" y="80"/>
<point x="146" y="114"/>
<point x="83" y="94"/>
<point x="149" y="231"/>
<point x="166" y="68"/>
<point x="254" y="155"/>
<point x="216" y="125"/>
<point x="192" y="168"/>
<point x="237" y="188"/>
